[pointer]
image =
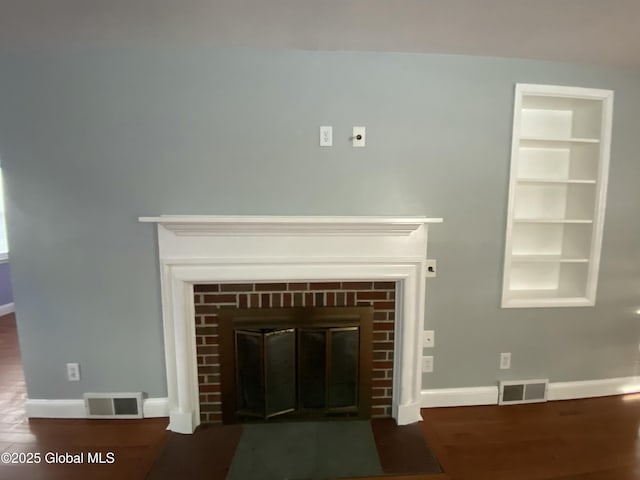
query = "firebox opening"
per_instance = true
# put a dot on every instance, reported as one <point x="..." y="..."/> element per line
<point x="296" y="363"/>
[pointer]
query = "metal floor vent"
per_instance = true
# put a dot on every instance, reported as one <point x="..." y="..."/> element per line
<point x="523" y="391"/>
<point x="113" y="405"/>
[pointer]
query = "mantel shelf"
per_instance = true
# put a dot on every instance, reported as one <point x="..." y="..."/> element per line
<point x="224" y="225"/>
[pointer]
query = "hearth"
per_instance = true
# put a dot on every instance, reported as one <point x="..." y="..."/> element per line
<point x="295" y="363"/>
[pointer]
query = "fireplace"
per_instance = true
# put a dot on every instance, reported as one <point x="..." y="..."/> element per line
<point x="285" y="363"/>
<point x="212" y="301"/>
<point x="202" y="250"/>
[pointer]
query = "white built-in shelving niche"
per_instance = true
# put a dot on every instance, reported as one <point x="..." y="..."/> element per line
<point x="557" y="193"/>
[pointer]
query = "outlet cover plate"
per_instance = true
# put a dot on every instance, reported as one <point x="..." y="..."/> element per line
<point x="427" y="364"/>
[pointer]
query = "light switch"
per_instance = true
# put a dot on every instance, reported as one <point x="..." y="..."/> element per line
<point x="326" y="136"/>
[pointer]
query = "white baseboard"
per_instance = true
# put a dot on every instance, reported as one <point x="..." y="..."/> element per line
<point x="155" y="407"/>
<point x="74" y="408"/>
<point x="458" y="397"/>
<point x="593" y="388"/>
<point x="7" y="308"/>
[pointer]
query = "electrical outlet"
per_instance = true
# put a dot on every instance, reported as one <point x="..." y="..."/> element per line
<point x="428" y="339"/>
<point x="73" y="372"/>
<point x="427" y="364"/>
<point x="505" y="361"/>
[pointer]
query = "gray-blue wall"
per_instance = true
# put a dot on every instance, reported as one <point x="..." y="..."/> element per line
<point x="92" y="139"/>
<point x="6" y="294"/>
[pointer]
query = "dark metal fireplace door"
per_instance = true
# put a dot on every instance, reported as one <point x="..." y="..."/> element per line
<point x="295" y="362"/>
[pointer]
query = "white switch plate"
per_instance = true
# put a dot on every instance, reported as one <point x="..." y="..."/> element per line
<point x="505" y="361"/>
<point x="428" y="339"/>
<point x="361" y="131"/>
<point x="73" y="372"/>
<point x="427" y="364"/>
<point x="326" y="136"/>
<point x="431" y="268"/>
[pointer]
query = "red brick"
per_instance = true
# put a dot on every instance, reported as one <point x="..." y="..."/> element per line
<point x="331" y="299"/>
<point x="385" y="382"/>
<point x="210" y="388"/>
<point x="378" y="374"/>
<point x="210" y="320"/>
<point x="378" y="392"/>
<point x="207" y="350"/>
<point x="384" y="305"/>
<point x="199" y="340"/>
<point x="204" y="309"/>
<point x="270" y="287"/>
<point x="380" y="316"/>
<point x="380" y="336"/>
<point x="380" y="401"/>
<point x="383" y="326"/>
<point x="357" y="285"/>
<point x="208" y="369"/>
<point x="265" y="300"/>
<point x="308" y="299"/>
<point x="378" y="411"/>
<point x="211" y="340"/>
<point x="351" y="299"/>
<point x="382" y="365"/>
<point x="383" y="345"/>
<point x="379" y="355"/>
<point x="298" y="286"/>
<point x="214" y="287"/>
<point x="243" y="301"/>
<point x="287" y="299"/>
<point x="206" y="331"/>
<point x="324" y="285"/>
<point x="236" y="287"/>
<point x="373" y="295"/>
<point x="276" y="300"/>
<point x="254" y="300"/>
<point x="384" y="285"/>
<point x="208" y="407"/>
<point x="221" y="298"/>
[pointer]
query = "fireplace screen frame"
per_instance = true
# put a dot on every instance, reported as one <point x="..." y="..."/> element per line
<point x="328" y="319"/>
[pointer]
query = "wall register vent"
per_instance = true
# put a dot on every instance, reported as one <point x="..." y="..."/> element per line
<point x="113" y="405"/>
<point x="523" y="391"/>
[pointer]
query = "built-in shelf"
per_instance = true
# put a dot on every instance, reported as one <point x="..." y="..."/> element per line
<point x="559" y="170"/>
<point x="550" y="220"/>
<point x="552" y="140"/>
<point x="548" y="258"/>
<point x="554" y="180"/>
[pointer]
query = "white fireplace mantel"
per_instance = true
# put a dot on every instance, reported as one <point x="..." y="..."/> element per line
<point x="196" y="249"/>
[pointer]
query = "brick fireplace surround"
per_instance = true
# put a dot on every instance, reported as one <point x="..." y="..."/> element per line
<point x="385" y="255"/>
<point x="208" y="299"/>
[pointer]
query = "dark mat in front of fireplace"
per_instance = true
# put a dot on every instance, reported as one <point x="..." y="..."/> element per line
<point x="305" y="450"/>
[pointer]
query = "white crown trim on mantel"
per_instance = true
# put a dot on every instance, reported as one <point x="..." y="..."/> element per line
<point x="226" y="225"/>
<point x="217" y="249"/>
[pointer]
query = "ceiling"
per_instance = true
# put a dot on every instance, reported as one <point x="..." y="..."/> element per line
<point x="601" y="32"/>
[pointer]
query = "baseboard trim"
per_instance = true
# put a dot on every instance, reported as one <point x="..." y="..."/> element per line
<point x="593" y="388"/>
<point x="74" y="408"/>
<point x="7" y="308"/>
<point x="155" y="407"/>
<point x="459" y="397"/>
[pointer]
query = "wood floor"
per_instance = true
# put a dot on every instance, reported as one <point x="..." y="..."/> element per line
<point x="593" y="439"/>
